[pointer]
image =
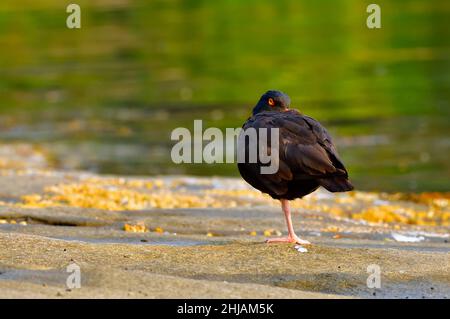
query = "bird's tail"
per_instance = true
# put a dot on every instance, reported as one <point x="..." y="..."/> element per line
<point x="336" y="184"/>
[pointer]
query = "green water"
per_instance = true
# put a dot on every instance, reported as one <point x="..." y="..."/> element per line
<point x="106" y="97"/>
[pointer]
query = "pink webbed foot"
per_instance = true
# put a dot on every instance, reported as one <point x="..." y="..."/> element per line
<point x="289" y="239"/>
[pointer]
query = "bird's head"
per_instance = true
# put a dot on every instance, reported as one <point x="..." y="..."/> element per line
<point x="272" y="101"/>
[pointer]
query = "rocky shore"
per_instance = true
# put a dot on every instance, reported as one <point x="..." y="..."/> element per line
<point x="185" y="237"/>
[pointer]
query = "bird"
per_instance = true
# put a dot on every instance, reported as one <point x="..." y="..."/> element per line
<point x="307" y="157"/>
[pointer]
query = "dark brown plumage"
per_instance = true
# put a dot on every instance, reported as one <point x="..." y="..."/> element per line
<point x="307" y="156"/>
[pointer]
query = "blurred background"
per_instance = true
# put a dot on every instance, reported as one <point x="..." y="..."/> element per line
<point x="105" y="97"/>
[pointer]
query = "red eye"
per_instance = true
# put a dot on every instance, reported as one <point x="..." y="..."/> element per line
<point x="271" y="102"/>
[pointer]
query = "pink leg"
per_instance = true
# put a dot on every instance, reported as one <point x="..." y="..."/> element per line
<point x="292" y="237"/>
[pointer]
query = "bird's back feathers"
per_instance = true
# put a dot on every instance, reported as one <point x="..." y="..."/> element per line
<point x="307" y="157"/>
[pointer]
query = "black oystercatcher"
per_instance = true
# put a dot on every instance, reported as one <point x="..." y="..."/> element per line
<point x="307" y="157"/>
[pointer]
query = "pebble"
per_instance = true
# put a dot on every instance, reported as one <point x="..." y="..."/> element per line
<point x="301" y="249"/>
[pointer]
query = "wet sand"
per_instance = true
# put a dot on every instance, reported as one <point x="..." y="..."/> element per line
<point x="212" y="247"/>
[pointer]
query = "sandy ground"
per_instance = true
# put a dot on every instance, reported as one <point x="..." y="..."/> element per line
<point x="216" y="251"/>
